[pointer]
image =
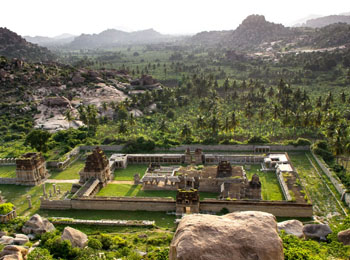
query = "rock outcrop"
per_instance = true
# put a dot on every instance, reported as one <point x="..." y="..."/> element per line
<point x="20" y="239"/>
<point x="344" y="237"/>
<point x="13" y="253"/>
<point x="37" y="225"/>
<point x="6" y="240"/>
<point x="241" y="236"/>
<point x="317" y="231"/>
<point x="292" y="227"/>
<point x="76" y="237"/>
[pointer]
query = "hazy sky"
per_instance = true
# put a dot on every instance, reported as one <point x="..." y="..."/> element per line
<point x="54" y="17"/>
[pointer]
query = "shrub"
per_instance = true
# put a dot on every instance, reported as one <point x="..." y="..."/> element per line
<point x="40" y="254"/>
<point x="258" y="140"/>
<point x="6" y="208"/>
<point x="95" y="243"/>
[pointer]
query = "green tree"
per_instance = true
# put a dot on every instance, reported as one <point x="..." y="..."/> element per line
<point x="38" y="139"/>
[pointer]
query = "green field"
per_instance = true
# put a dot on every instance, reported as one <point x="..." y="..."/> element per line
<point x="8" y="171"/>
<point x="71" y="173"/>
<point x="128" y="173"/>
<point x="322" y="199"/>
<point x="128" y="190"/>
<point x="17" y="194"/>
<point x="270" y="188"/>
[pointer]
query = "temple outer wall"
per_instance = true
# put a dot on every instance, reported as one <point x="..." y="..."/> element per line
<point x="181" y="148"/>
<point x="277" y="208"/>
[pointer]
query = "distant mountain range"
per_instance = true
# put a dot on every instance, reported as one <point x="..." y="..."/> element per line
<point x="14" y="46"/>
<point x="105" y="39"/>
<point x="51" y="41"/>
<point x="326" y="20"/>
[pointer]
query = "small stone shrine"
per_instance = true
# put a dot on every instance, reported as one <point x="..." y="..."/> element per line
<point x="187" y="201"/>
<point x="31" y="169"/>
<point x="96" y="166"/>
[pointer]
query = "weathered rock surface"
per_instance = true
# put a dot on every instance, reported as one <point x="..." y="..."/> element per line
<point x="20" y="239"/>
<point x="3" y="233"/>
<point x="248" y="235"/>
<point x="13" y="253"/>
<point x="76" y="237"/>
<point x="6" y="240"/>
<point x="317" y="231"/>
<point x="292" y="227"/>
<point x="344" y="237"/>
<point x="37" y="225"/>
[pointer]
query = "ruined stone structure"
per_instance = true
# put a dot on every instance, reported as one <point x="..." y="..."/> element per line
<point x="224" y="169"/>
<point x="97" y="167"/>
<point x="196" y="157"/>
<point x="31" y="169"/>
<point x="187" y="201"/>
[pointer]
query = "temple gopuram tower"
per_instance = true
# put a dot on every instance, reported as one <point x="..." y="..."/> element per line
<point x="31" y="169"/>
<point x="96" y="166"/>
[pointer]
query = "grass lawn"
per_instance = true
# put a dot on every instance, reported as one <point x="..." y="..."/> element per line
<point x="17" y="194"/>
<point x="323" y="201"/>
<point x="161" y="218"/>
<point x="8" y="171"/>
<point x="128" y="190"/>
<point x="128" y="173"/>
<point x="71" y="173"/>
<point x="270" y="188"/>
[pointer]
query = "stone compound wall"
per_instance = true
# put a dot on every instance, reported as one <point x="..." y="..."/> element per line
<point x="72" y="156"/>
<point x="8" y="180"/>
<point x="7" y="161"/>
<point x="9" y="216"/>
<point x="182" y="148"/>
<point x="283" y="186"/>
<point x="277" y="208"/>
<point x="335" y="181"/>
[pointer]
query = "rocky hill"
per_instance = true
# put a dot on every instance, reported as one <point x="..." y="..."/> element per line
<point x="255" y="30"/>
<point x="113" y="37"/>
<point x="257" y="34"/>
<point x="14" y="46"/>
<point x="326" y="20"/>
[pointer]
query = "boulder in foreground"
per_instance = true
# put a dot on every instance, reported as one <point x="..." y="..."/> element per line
<point x="76" y="237"/>
<point x="247" y="235"/>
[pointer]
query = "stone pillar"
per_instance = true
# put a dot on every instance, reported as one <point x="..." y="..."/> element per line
<point x="58" y="189"/>
<point x="54" y="188"/>
<point x="29" y="198"/>
<point x="44" y="190"/>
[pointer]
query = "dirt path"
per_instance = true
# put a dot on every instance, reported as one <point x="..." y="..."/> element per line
<point x="61" y="181"/>
<point x="121" y="182"/>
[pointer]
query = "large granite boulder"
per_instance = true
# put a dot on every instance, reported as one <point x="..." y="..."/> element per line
<point x="317" y="231"/>
<point x="37" y="225"/>
<point x="76" y="237"/>
<point x="344" y="237"/>
<point x="20" y="239"/>
<point x="13" y="253"/>
<point x="292" y="227"/>
<point x="248" y="235"/>
<point x="6" y="240"/>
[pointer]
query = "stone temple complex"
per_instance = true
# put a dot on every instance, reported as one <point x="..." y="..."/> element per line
<point x="31" y="169"/>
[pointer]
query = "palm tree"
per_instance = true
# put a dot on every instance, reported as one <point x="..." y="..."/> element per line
<point x="186" y="132"/>
<point x="69" y="117"/>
